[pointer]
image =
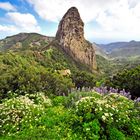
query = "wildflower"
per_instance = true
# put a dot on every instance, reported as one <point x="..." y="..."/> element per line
<point x="106" y="114"/>
<point x="103" y="117"/>
<point x="100" y="109"/>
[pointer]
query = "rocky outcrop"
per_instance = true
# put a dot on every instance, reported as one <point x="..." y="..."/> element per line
<point x="70" y="36"/>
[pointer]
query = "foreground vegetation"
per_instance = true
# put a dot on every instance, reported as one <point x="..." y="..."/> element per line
<point x="128" y="80"/>
<point x="38" y="100"/>
<point x="81" y="115"/>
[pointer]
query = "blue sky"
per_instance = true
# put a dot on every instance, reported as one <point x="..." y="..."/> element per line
<point x="105" y="20"/>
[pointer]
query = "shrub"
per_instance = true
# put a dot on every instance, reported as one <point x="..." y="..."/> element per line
<point x="59" y="101"/>
<point x="40" y="99"/>
<point x="110" y="110"/>
<point x="115" y="134"/>
<point x="73" y="97"/>
<point x="92" y="116"/>
<point x="92" y="129"/>
<point x="23" y="111"/>
<point x="31" y="80"/>
<point x="83" y="79"/>
<point x="128" y="80"/>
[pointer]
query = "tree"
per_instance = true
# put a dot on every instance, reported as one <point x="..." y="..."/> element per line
<point x="83" y="79"/>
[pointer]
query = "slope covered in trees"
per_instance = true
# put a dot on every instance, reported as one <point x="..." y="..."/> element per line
<point x="128" y="80"/>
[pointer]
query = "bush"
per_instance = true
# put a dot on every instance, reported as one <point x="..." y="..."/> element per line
<point x="115" y="134"/>
<point x="128" y="80"/>
<point x="22" y="73"/>
<point x="31" y="80"/>
<point x="92" y="116"/>
<point x="83" y="79"/>
<point x="73" y="97"/>
<point x="23" y="111"/>
<point x="110" y="110"/>
<point x="92" y="129"/>
<point x="59" y="101"/>
<point x="33" y="117"/>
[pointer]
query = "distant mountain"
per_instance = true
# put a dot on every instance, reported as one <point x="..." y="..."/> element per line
<point x="108" y="48"/>
<point x="122" y="49"/>
<point x="99" y="51"/>
<point x="127" y="50"/>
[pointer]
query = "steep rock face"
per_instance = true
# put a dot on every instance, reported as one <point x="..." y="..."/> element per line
<point x="70" y="36"/>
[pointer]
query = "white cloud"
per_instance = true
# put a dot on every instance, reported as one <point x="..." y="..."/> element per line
<point x="25" y="22"/>
<point x="8" y="28"/>
<point x="19" y="23"/>
<point x="133" y="3"/>
<point x="115" y="18"/>
<point x="120" y="21"/>
<point x="53" y="10"/>
<point x="7" y="6"/>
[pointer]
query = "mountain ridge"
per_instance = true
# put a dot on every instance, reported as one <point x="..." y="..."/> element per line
<point x="24" y="41"/>
<point x="121" y="49"/>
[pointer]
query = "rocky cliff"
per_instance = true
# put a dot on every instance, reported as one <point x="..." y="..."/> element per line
<point x="70" y="36"/>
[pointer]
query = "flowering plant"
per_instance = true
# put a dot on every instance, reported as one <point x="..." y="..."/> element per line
<point x="22" y="111"/>
<point x="111" y="110"/>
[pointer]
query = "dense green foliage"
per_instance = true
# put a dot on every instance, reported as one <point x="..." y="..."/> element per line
<point x="31" y="71"/>
<point x="106" y="66"/>
<point x="24" y="74"/>
<point x="83" y="79"/>
<point x="90" y="116"/>
<point x="109" y="67"/>
<point x="128" y="80"/>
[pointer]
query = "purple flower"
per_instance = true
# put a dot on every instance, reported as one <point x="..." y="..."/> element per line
<point x="103" y="90"/>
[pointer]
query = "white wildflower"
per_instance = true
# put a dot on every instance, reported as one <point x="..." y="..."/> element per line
<point x="103" y="117"/>
<point x="106" y="114"/>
